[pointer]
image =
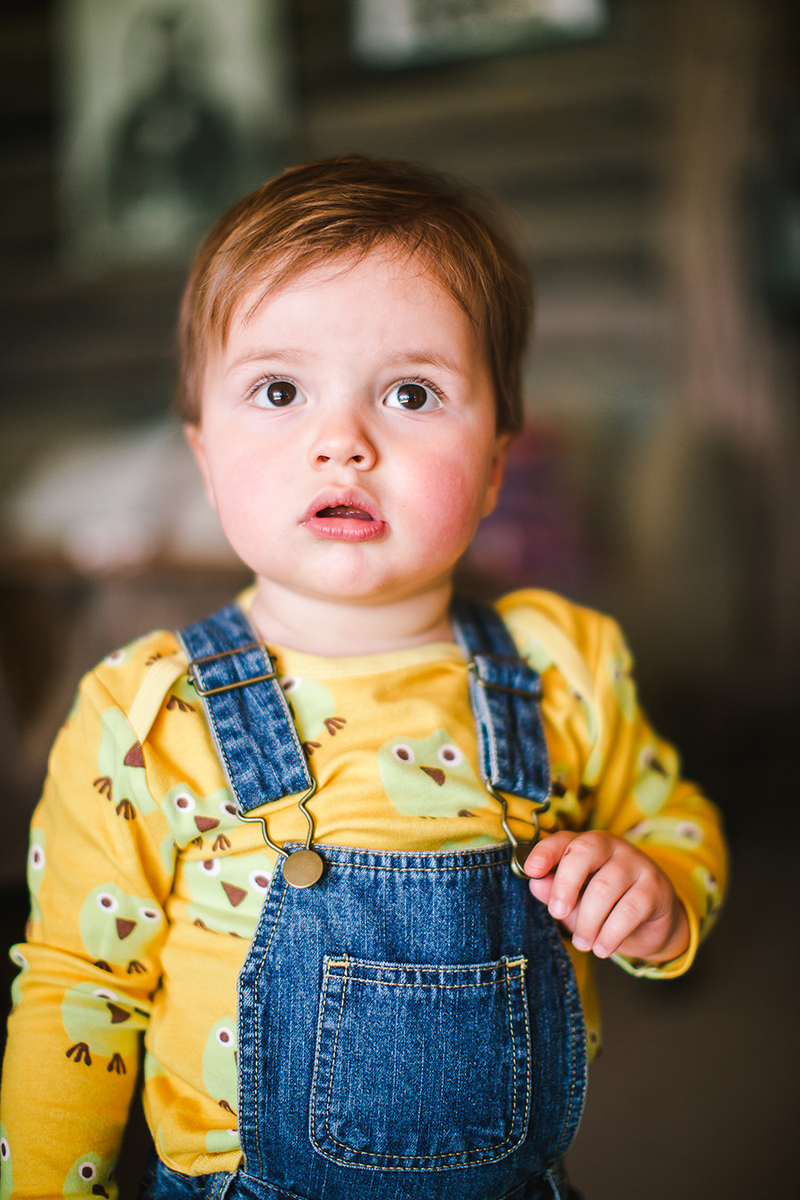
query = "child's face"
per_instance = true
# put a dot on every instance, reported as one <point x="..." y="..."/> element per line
<point x="347" y="433"/>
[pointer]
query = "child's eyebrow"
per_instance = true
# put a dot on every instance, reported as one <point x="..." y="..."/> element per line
<point x="398" y="361"/>
<point x="426" y="358"/>
<point x="256" y="354"/>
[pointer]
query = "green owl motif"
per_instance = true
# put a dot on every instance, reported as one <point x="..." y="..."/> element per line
<point x="655" y="781"/>
<point x="99" y="1022"/>
<point x="618" y="668"/>
<point x="193" y="817"/>
<point x="88" y="1177"/>
<point x="668" y="831"/>
<point x="121" y="657"/>
<point x="565" y="806"/>
<point x="118" y="930"/>
<point x="6" y="1174"/>
<point x="476" y="843"/>
<point x="710" y="893"/>
<point x="536" y="655"/>
<point x="314" y="709"/>
<point x="183" y="696"/>
<point x="228" y="893"/>
<point x="430" y="777"/>
<point x="220" y="1140"/>
<point x="36" y="867"/>
<point x="221" y="1064"/>
<point x="19" y="960"/>
<point x="120" y="762"/>
<point x="168" y="850"/>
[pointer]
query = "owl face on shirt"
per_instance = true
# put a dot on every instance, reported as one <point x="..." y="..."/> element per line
<point x="192" y="815"/>
<point x="119" y="929"/>
<point x="6" y="1174"/>
<point x="228" y="892"/>
<point x="88" y="1176"/>
<point x="430" y="777"/>
<point x="101" y="1022"/>
<point x="36" y="869"/>
<point x="122" y="777"/>
<point x="220" y="1063"/>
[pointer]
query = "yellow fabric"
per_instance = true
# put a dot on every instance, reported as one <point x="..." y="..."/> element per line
<point x="146" y="887"/>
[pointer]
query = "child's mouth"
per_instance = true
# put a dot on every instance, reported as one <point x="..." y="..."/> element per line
<point x="348" y="521"/>
<point x="346" y="511"/>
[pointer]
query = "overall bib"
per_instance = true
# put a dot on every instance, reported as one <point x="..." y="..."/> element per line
<point x="409" y="1024"/>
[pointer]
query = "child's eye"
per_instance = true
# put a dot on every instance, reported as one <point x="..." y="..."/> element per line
<point x="413" y="396"/>
<point x="276" y="393"/>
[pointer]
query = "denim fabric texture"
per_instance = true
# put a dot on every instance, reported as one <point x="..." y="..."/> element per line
<point x="160" y="1183"/>
<point x="410" y="1025"/>
<point x="225" y="654"/>
<point x="504" y="693"/>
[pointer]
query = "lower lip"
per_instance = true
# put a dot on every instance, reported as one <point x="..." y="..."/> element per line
<point x="345" y="529"/>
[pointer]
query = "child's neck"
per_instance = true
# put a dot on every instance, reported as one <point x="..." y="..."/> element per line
<point x="335" y="629"/>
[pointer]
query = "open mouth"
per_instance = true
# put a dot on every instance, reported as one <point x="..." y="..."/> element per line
<point x="345" y="511"/>
<point x="347" y="519"/>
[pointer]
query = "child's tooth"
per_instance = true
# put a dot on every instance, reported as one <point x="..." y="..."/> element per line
<point x="344" y="510"/>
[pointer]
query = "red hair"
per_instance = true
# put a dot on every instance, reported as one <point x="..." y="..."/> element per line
<point x="348" y="206"/>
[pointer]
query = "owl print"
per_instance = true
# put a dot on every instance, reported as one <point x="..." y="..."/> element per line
<point x="430" y="777"/>
<point x="118" y="929"/>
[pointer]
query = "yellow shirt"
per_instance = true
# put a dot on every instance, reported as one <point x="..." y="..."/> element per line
<point x="146" y="887"/>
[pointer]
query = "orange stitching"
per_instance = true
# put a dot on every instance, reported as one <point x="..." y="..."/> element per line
<point x="256" y="1033"/>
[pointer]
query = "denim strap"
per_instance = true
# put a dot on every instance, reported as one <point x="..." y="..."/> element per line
<point x="256" y="737"/>
<point x="504" y="693"/>
<point x="249" y="716"/>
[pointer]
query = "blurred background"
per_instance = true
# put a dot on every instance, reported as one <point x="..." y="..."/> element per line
<point x="648" y="153"/>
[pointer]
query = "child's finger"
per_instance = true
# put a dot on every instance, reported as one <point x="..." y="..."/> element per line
<point x="582" y="858"/>
<point x="623" y="920"/>
<point x="609" y="911"/>
<point x="541" y="888"/>
<point x="546" y="854"/>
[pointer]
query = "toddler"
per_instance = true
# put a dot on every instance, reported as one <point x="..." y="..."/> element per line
<point x="343" y="851"/>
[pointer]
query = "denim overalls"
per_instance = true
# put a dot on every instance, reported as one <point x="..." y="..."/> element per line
<point x="409" y="1024"/>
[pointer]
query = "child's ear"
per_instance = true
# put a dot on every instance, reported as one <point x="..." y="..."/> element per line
<point x="496" y="470"/>
<point x="194" y="436"/>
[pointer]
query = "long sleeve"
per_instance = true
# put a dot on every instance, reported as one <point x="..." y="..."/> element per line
<point x="641" y="796"/>
<point x="99" y="871"/>
<point x="611" y="771"/>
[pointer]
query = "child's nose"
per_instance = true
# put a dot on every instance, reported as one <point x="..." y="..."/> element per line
<point x="343" y="443"/>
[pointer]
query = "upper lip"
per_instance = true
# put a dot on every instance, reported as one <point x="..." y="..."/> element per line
<point x="333" y="497"/>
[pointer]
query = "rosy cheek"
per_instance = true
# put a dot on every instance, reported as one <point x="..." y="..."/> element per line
<point x="451" y="498"/>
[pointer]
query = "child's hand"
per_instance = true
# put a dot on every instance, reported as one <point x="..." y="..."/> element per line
<point x="610" y="896"/>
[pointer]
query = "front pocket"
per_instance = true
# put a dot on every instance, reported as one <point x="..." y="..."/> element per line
<point x="421" y="1068"/>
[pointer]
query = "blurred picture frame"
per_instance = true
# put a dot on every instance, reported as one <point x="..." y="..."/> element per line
<point x="406" y="33"/>
<point x="169" y="109"/>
